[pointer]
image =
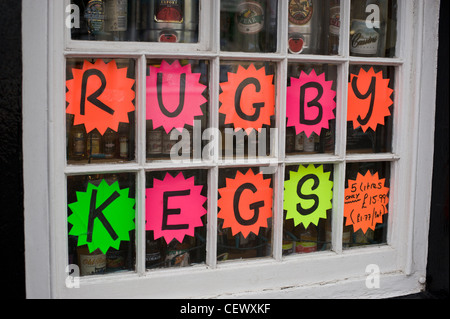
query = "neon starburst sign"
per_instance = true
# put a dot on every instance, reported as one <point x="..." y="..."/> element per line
<point x="310" y="103"/>
<point x="174" y="96"/>
<point x="100" y="95"/>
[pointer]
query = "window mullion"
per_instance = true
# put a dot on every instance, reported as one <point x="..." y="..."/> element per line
<point x="140" y="103"/>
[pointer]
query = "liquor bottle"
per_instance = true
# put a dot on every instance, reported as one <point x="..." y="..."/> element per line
<point x="368" y="28"/>
<point x="133" y="21"/>
<point x="94" y="15"/>
<point x="116" y="19"/>
<point x="299" y="144"/>
<point x="167" y="143"/>
<point x="153" y="252"/>
<point x="94" y="144"/>
<point x="110" y="143"/>
<point x="78" y="139"/>
<point x="91" y="263"/>
<point x="305" y="30"/>
<point x="154" y="142"/>
<point x="249" y="26"/>
<point x="334" y="27"/>
<point x="123" y="140"/>
<point x="171" y="21"/>
<point x="290" y="140"/>
<point x="308" y="240"/>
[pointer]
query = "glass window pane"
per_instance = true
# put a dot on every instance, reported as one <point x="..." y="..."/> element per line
<point x="370" y="109"/>
<point x="247" y="108"/>
<point x="101" y="240"/>
<point x="311" y="108"/>
<point x="177" y="108"/>
<point x="176" y="215"/>
<point x="313" y="27"/>
<point x="308" y="194"/>
<point x="373" y="28"/>
<point x="100" y="110"/>
<point x="135" y="20"/>
<point x="244" y="214"/>
<point x="366" y="204"/>
<point x="248" y="26"/>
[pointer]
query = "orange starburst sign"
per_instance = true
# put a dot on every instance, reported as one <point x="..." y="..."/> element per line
<point x="245" y="203"/>
<point x="248" y="99"/>
<point x="366" y="201"/>
<point x="369" y="99"/>
<point x="100" y="95"/>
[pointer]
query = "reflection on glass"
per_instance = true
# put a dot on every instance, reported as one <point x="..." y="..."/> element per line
<point x="313" y="233"/>
<point x="322" y="139"/>
<point x="377" y="232"/>
<point x="245" y="210"/>
<point x="373" y="28"/>
<point x="177" y="109"/>
<point x="104" y="259"/>
<point x="373" y="133"/>
<point x="161" y="252"/>
<point x="136" y="20"/>
<point x="248" y="26"/>
<point x="114" y="144"/>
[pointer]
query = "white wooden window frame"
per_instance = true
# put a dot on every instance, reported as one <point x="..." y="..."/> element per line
<point x="334" y="274"/>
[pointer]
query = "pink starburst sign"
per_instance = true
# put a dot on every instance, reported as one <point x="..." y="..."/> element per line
<point x="310" y="103"/>
<point x="174" y="96"/>
<point x="174" y="207"/>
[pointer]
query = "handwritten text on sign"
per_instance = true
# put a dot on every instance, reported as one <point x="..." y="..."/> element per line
<point x="366" y="201"/>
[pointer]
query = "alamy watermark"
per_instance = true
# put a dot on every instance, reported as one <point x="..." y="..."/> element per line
<point x="373" y="276"/>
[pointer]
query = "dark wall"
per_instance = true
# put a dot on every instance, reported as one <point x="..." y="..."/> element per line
<point x="438" y="250"/>
<point x="12" y="267"/>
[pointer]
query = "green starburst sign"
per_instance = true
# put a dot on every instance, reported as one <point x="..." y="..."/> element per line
<point x="102" y="216"/>
<point x="307" y="195"/>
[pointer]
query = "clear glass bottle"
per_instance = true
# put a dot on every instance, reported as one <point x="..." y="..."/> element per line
<point x="116" y="22"/>
<point x="305" y="29"/>
<point x="249" y="26"/>
<point x="368" y="28"/>
<point x="334" y="26"/>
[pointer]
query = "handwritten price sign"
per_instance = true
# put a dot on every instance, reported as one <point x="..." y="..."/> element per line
<point x="366" y="200"/>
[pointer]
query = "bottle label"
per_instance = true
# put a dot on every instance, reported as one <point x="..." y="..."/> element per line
<point x="250" y="17"/>
<point x="300" y="11"/>
<point x="92" y="264"/>
<point x="335" y="20"/>
<point x="169" y="11"/>
<point x="154" y="142"/>
<point x="78" y="145"/>
<point x="95" y="16"/>
<point x="364" y="40"/>
<point x="116" y="15"/>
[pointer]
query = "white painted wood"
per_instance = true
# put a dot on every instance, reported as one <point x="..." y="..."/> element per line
<point x="336" y="274"/>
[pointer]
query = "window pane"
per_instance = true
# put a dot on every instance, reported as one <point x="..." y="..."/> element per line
<point x="177" y="105"/>
<point x="248" y="26"/>
<point x="366" y="204"/>
<point x="373" y="28"/>
<point x="244" y="214"/>
<point x="101" y="240"/>
<point x="247" y="108"/>
<point x="311" y="108"/>
<point x="370" y="109"/>
<point x="100" y="110"/>
<point x="308" y="194"/>
<point x="136" y="20"/>
<point x="176" y="208"/>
